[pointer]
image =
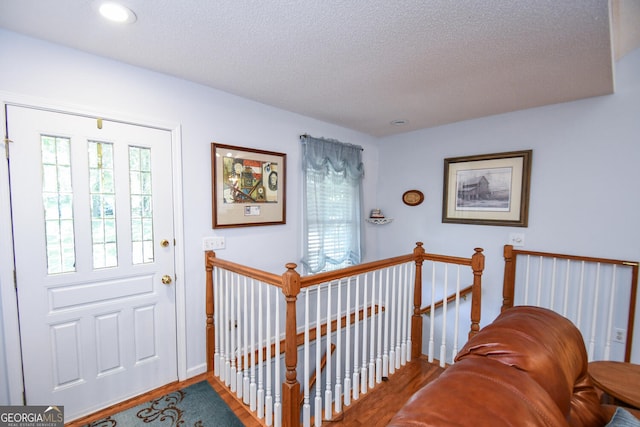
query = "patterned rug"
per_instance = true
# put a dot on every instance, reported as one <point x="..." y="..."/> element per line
<point x="195" y="406"/>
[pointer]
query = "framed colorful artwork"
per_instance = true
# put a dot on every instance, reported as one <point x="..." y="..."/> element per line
<point x="249" y="186"/>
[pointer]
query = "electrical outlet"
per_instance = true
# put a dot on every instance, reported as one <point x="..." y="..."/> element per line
<point x="619" y="335"/>
<point x="213" y="243"/>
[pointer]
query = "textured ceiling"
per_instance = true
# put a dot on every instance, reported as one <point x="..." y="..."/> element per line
<point x="359" y="64"/>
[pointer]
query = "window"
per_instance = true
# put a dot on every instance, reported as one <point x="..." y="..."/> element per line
<point x="332" y="173"/>
<point x="57" y="197"/>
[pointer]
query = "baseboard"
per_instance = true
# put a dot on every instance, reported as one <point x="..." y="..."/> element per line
<point x="196" y="370"/>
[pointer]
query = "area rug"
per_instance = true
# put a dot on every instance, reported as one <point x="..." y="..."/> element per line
<point x="195" y="406"/>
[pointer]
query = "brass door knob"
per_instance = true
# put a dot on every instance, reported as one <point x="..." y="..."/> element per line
<point x="166" y="279"/>
<point x="164" y="243"/>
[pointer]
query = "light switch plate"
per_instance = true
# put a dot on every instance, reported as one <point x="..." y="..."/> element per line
<point x="213" y="243"/>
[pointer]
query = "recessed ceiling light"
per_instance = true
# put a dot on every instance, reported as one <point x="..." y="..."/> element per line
<point x="399" y="122"/>
<point x="117" y="13"/>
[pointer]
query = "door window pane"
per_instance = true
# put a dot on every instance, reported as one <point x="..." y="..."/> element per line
<point x="103" y="205"/>
<point x="57" y="199"/>
<point x="141" y="205"/>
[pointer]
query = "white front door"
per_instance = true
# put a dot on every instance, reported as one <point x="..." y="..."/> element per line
<point x="94" y="252"/>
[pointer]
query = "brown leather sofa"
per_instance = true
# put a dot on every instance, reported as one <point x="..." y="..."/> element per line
<point x="527" y="368"/>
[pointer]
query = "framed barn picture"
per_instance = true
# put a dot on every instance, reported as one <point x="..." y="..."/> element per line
<point x="489" y="189"/>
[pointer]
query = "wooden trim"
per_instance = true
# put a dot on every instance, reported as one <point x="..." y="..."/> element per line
<point x="416" y="318"/>
<point x="291" y="386"/>
<point x="632" y="311"/>
<point x="509" y="278"/>
<point x="210" y="329"/>
<point x="477" y="264"/>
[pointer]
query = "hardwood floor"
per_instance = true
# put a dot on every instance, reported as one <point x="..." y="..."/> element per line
<point x="374" y="409"/>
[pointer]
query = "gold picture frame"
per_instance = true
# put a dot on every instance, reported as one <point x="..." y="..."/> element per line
<point x="489" y="189"/>
<point x="249" y="186"/>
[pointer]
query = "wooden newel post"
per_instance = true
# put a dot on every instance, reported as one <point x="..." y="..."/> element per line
<point x="416" y="318"/>
<point x="291" y="386"/>
<point x="210" y="329"/>
<point x="508" y="278"/>
<point x="477" y="265"/>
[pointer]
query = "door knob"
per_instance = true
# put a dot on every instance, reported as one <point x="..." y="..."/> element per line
<point x="166" y="279"/>
<point x="164" y="243"/>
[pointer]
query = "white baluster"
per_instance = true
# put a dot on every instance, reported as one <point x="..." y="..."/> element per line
<point x="404" y="313"/>
<point x="338" y="389"/>
<point x="260" y="395"/>
<point x="456" y="326"/>
<point x="594" y="315"/>
<point x="609" y="329"/>
<point x="268" y="400"/>
<point x="365" y="334"/>
<point x="432" y="312"/>
<point x="328" y="400"/>
<point x="306" y="407"/>
<point x="232" y="333"/>
<point x="372" y="334"/>
<point x="565" y="297"/>
<point x="216" y="320"/>
<point x="392" y="315"/>
<point x="401" y="280"/>
<point x="277" y="406"/>
<point x="443" y="342"/>
<point x="580" y="295"/>
<point x="539" y="289"/>
<point x="552" y="301"/>
<point x="387" y="314"/>
<point x="379" y="339"/>
<point x="238" y="354"/>
<point x="348" y="344"/>
<point x="356" y="369"/>
<point x="526" y="284"/>
<point x="318" y="399"/>
<point x="409" y="310"/>
<point x="245" y="327"/>
<point x="253" y="388"/>
<point x="225" y="326"/>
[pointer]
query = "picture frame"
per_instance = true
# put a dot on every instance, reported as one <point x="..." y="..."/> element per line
<point x="249" y="186"/>
<point x="489" y="189"/>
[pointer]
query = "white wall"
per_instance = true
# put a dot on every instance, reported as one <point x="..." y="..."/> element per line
<point x="70" y="78"/>
<point x="584" y="182"/>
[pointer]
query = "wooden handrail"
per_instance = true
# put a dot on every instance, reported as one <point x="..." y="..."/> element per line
<point x="354" y="270"/>
<point x="254" y="273"/>
<point x="515" y="252"/>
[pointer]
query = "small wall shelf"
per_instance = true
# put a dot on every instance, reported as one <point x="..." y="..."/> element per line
<point x="379" y="221"/>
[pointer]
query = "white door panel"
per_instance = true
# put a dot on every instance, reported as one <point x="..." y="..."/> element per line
<point x="97" y="323"/>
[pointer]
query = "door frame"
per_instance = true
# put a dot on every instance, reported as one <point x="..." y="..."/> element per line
<point x="8" y="301"/>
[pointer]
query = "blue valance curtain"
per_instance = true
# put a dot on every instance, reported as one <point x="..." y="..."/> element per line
<point x="332" y="174"/>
